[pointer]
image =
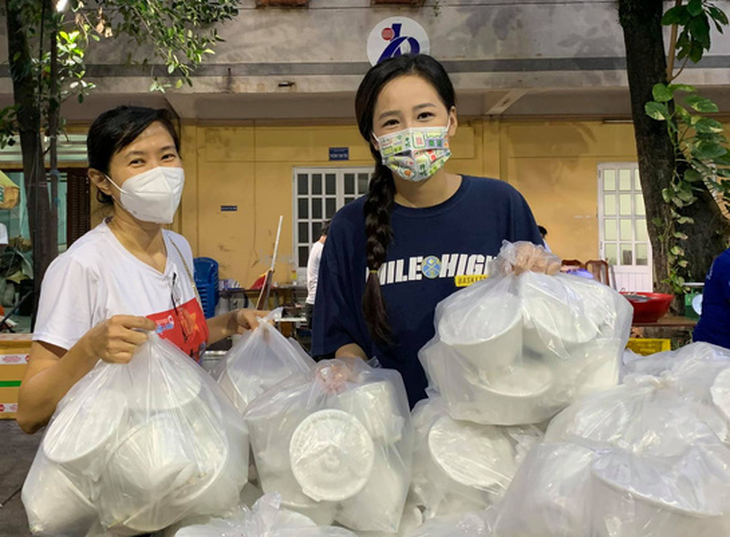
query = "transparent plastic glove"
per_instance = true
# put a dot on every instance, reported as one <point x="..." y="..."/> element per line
<point x="334" y="375"/>
<point x="524" y="256"/>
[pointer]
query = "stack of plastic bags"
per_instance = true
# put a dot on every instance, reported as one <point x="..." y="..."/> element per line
<point x="265" y="519"/>
<point x="337" y="444"/>
<point x="259" y="360"/>
<point x="650" y="458"/>
<point x="136" y="447"/>
<point x="517" y="349"/>
<point x="509" y="352"/>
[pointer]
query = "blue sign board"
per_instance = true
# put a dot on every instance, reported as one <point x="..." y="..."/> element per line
<point x="339" y="153"/>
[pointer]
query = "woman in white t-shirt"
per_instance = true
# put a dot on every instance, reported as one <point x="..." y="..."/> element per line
<point x="124" y="277"/>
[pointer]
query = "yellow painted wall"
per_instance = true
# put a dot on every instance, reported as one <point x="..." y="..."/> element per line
<point x="250" y="165"/>
<point x="555" y="165"/>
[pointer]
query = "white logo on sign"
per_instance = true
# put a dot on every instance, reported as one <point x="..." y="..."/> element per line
<point x="397" y="36"/>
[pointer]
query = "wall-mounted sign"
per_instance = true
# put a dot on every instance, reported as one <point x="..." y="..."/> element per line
<point x="396" y="36"/>
<point x="229" y="208"/>
<point x="339" y="153"/>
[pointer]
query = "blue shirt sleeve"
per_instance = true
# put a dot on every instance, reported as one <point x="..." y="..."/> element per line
<point x="719" y="278"/>
<point x="337" y="321"/>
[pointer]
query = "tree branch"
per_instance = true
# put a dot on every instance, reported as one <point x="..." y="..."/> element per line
<point x="673" y="47"/>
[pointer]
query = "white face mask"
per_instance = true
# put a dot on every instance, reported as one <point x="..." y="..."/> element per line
<point x="154" y="195"/>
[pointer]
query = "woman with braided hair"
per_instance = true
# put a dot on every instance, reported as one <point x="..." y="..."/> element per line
<point x="419" y="234"/>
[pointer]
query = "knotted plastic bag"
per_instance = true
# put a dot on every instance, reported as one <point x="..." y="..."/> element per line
<point x="517" y="348"/>
<point x="259" y="360"/>
<point x="337" y="444"/>
<point x="137" y="447"/>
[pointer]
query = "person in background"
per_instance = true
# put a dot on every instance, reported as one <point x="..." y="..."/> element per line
<point x="315" y="255"/>
<point x="714" y="324"/>
<point x="543" y="234"/>
<point x="3" y="238"/>
<point x="126" y="277"/>
<point x="420" y="232"/>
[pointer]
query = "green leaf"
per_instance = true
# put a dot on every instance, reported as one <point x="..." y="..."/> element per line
<point x="685" y="220"/>
<point x="677" y="251"/>
<point x="718" y="15"/>
<point x="681" y="236"/>
<point x="708" y="126"/>
<point x="683" y="263"/>
<point x="709" y="151"/>
<point x="702" y="104"/>
<point x="676" y="15"/>
<point x="658" y="111"/>
<point x="700" y="28"/>
<point x="179" y="83"/>
<point x="694" y="7"/>
<point x="662" y="93"/>
<point x="685" y="88"/>
<point x="692" y="176"/>
<point x="667" y="195"/>
<point x="656" y="220"/>
<point x="686" y="196"/>
<point x="170" y="68"/>
<point x="696" y="52"/>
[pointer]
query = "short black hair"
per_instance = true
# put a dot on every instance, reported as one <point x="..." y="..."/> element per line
<point x="325" y="227"/>
<point x="542" y="230"/>
<point x="115" y="129"/>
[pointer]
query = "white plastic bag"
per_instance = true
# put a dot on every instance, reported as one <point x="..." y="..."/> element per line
<point x="474" y="524"/>
<point x="654" y="416"/>
<point x="265" y="519"/>
<point x="516" y="349"/>
<point x="259" y="360"/>
<point x="137" y="446"/>
<point x="461" y="466"/>
<point x="550" y="495"/>
<point x="337" y="444"/>
<point x="641" y="460"/>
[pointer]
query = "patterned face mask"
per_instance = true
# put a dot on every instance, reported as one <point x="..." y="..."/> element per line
<point x="415" y="154"/>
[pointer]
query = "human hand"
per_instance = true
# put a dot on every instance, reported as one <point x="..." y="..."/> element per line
<point x="248" y="319"/>
<point x="527" y="257"/>
<point x="116" y="340"/>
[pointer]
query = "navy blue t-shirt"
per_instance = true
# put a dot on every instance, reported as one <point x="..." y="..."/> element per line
<point x="434" y="249"/>
<point x="714" y="324"/>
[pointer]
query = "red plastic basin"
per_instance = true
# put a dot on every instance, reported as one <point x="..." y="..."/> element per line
<point x="649" y="307"/>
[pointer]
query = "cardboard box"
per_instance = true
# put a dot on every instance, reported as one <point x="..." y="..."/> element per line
<point x="14" y="350"/>
<point x="647" y="346"/>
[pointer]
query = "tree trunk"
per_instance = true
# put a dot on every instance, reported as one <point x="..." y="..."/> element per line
<point x="708" y="236"/>
<point x="646" y="66"/>
<point x="25" y="93"/>
<point x="54" y="119"/>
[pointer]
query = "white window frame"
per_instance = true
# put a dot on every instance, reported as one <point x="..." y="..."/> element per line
<point x="634" y="217"/>
<point x="339" y="196"/>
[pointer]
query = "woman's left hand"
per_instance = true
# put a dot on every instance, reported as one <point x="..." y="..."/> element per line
<point x="248" y="319"/>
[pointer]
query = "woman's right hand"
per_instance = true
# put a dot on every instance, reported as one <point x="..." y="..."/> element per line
<point x="116" y="339"/>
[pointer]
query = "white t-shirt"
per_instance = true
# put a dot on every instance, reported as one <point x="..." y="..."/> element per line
<point x="3" y="234"/>
<point x="98" y="278"/>
<point x="315" y="256"/>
